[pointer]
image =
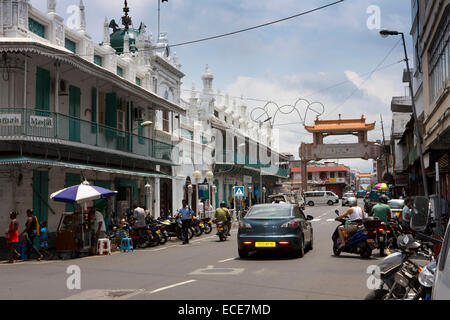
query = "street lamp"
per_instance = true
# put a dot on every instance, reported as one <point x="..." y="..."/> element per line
<point x="263" y="194"/>
<point x="213" y="196"/>
<point x="144" y="124"/>
<point x="148" y="189"/>
<point x="190" y="195"/>
<point x="250" y="189"/>
<point x="197" y="175"/>
<point x="386" y="33"/>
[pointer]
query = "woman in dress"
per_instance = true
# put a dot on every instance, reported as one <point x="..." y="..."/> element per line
<point x="12" y="236"/>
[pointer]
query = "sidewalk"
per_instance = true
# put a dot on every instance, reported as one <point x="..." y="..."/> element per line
<point x="4" y="258"/>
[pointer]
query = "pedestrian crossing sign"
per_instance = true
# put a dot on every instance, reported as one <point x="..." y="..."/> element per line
<point x="239" y="191"/>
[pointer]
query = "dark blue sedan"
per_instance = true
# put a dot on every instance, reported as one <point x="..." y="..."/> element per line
<point x="273" y="227"/>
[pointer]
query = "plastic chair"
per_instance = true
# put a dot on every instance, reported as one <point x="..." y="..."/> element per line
<point x="103" y="246"/>
<point x="126" y="244"/>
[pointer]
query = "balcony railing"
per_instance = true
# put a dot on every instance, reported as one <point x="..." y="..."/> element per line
<point x="51" y="125"/>
<point x="231" y="157"/>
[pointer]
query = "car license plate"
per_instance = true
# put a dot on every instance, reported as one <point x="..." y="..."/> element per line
<point x="220" y="229"/>
<point x="157" y="232"/>
<point x="381" y="239"/>
<point x="201" y="224"/>
<point x="370" y="240"/>
<point x="265" y="244"/>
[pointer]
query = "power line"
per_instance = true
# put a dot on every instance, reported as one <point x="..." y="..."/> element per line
<point x="258" y="26"/>
<point x="308" y="95"/>
<point x="365" y="80"/>
<point x="217" y="36"/>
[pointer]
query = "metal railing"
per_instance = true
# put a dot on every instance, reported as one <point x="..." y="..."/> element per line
<point x="231" y="157"/>
<point x="51" y="125"/>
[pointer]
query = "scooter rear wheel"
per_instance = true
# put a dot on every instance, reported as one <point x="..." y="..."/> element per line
<point x="366" y="252"/>
<point x="337" y="252"/>
<point x="378" y="294"/>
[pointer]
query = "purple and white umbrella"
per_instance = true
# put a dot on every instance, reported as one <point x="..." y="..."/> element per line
<point x="81" y="193"/>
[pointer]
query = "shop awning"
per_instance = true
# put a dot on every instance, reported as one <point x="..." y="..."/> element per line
<point x="54" y="163"/>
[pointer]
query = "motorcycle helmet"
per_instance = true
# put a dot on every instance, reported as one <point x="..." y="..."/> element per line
<point x="384" y="199"/>
<point x="352" y="201"/>
<point x="223" y="204"/>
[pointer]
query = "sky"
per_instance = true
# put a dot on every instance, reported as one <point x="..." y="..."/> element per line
<point x="327" y="56"/>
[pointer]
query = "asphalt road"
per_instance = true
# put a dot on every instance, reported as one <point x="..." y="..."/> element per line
<point x="206" y="269"/>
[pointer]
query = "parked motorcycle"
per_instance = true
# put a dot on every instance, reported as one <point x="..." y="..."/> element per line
<point x="360" y="242"/>
<point x="399" y="274"/>
<point x="197" y="225"/>
<point x="207" y="225"/>
<point x="159" y="226"/>
<point x="401" y="277"/>
<point x="174" y="228"/>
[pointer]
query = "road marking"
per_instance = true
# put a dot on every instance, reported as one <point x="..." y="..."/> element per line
<point x="314" y="220"/>
<point x="163" y="248"/>
<point x="171" y="286"/>
<point x="210" y="270"/>
<point x="106" y="294"/>
<point x="225" y="260"/>
<point x="329" y="220"/>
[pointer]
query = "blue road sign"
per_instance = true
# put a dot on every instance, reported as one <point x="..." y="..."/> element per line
<point x="239" y="191"/>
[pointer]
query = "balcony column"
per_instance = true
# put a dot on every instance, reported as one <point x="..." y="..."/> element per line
<point x="57" y="76"/>
<point x="157" y="193"/>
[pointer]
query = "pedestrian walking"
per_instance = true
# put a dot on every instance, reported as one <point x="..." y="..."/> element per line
<point x="43" y="239"/>
<point x="12" y="237"/>
<point x="185" y="213"/>
<point x="406" y="213"/>
<point x="31" y="232"/>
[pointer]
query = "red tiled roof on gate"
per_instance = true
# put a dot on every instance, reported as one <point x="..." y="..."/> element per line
<point x="321" y="169"/>
<point x="341" y="125"/>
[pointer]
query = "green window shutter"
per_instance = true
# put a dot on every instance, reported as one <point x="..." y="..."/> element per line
<point x="119" y="71"/>
<point x="70" y="45"/>
<point x="141" y="139"/>
<point x="72" y="179"/>
<point x="74" y="113"/>
<point x="98" y="60"/>
<point x="94" y="110"/>
<point x="40" y="195"/>
<point x="187" y="134"/>
<point x="36" y="27"/>
<point x="138" y="81"/>
<point x="42" y="89"/>
<point x="111" y="113"/>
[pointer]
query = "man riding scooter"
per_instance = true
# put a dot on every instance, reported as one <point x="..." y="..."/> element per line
<point x="355" y="215"/>
<point x="223" y="214"/>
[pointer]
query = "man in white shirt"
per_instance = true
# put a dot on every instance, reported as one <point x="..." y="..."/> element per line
<point x="354" y="213"/>
<point x="139" y="215"/>
<point x="99" y="225"/>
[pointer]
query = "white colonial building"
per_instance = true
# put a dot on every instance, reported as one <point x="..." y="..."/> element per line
<point x="222" y="146"/>
<point x="72" y="109"/>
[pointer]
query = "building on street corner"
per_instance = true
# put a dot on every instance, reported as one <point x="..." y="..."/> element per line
<point x="431" y="82"/>
<point x="223" y="147"/>
<point x="71" y="109"/>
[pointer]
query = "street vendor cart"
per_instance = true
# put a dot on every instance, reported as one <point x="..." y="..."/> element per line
<point x="73" y="236"/>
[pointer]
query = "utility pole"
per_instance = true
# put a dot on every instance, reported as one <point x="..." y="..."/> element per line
<point x="386" y="33"/>
<point x="386" y="155"/>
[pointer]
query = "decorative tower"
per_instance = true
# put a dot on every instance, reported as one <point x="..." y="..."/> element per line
<point x="82" y="17"/>
<point x="207" y="78"/>
<point x="106" y="37"/>
<point x="51" y="6"/>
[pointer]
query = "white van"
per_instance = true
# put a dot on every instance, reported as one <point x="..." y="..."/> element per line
<point x="320" y="197"/>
